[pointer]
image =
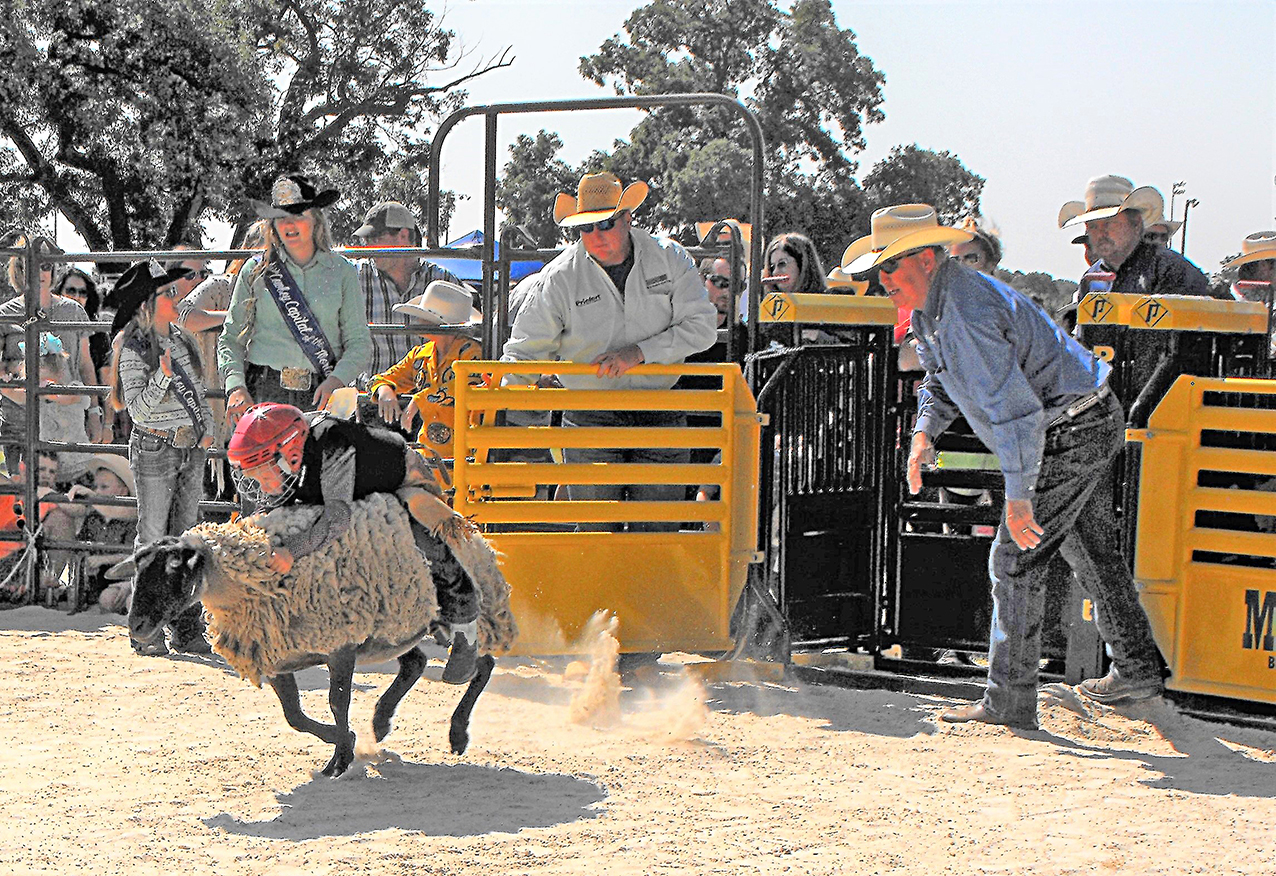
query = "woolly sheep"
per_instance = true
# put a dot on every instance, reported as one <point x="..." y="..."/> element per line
<point x="366" y="598"/>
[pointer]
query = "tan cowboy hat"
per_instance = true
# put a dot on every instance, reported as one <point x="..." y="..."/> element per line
<point x="599" y="196"/>
<point x="1256" y="247"/>
<point x="442" y="303"/>
<point x="1171" y="225"/>
<point x="902" y="229"/>
<point x="1108" y="195"/>
<point x="840" y="277"/>
<point x="724" y="234"/>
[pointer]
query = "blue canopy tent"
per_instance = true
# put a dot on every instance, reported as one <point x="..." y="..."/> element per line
<point x="471" y="270"/>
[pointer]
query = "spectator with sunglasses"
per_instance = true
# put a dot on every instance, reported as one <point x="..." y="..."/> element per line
<point x="54" y="307"/>
<point x="982" y="252"/>
<point x="202" y="301"/>
<point x="616" y="298"/>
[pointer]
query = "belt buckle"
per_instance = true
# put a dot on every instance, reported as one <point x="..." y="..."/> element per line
<point x="294" y="378"/>
<point x="184" y="438"/>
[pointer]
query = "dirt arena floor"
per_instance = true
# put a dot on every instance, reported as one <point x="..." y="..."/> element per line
<point x="118" y="764"/>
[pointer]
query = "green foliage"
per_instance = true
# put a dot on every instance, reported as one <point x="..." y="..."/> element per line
<point x="1051" y="293"/>
<point x="812" y="93"/>
<point x="911" y="174"/>
<point x="532" y="178"/>
<point x="135" y="120"/>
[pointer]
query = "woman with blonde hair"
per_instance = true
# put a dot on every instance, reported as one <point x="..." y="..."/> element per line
<point x="156" y="374"/>
<point x="297" y="328"/>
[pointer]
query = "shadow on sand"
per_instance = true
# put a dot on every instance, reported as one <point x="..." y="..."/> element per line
<point x="435" y="799"/>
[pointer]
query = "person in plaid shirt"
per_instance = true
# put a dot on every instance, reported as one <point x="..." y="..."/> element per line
<point x="391" y="280"/>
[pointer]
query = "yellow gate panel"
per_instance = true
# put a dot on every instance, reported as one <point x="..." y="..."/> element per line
<point x="1205" y="552"/>
<point x="669" y="590"/>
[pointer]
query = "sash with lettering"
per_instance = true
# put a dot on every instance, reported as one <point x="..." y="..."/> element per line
<point x="298" y="316"/>
<point x="180" y="385"/>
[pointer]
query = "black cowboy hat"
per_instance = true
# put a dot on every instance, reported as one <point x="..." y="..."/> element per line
<point x="135" y="286"/>
<point x="293" y="195"/>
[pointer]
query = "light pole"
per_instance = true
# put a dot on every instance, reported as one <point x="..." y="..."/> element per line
<point x="1187" y="205"/>
<point x="1176" y="189"/>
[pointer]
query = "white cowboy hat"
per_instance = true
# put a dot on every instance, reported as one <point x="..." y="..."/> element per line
<point x="1256" y="247"/>
<point x="840" y="277"/>
<point x="1108" y="195"/>
<point x="442" y="303"/>
<point x="598" y="196"/>
<point x="116" y="465"/>
<point x="898" y="230"/>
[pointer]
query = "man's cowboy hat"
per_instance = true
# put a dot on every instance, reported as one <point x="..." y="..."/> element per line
<point x="1257" y="247"/>
<point x="840" y="277"/>
<point x="135" y="286"/>
<point x="442" y="303"/>
<point x="1171" y="225"/>
<point x="1108" y="195"/>
<point x="293" y="195"/>
<point x="902" y="229"/>
<point x="598" y="196"/>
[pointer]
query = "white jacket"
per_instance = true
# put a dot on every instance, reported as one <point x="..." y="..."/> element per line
<point x="576" y="314"/>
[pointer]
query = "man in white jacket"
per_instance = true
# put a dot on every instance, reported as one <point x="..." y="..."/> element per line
<point x="616" y="298"/>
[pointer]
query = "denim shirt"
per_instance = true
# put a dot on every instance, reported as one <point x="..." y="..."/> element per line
<point x="993" y="355"/>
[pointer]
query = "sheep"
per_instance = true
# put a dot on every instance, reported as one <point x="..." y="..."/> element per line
<point x="365" y="598"/>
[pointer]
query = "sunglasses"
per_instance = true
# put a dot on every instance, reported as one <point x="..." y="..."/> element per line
<point x="604" y="225"/>
<point x="201" y="274"/>
<point x="720" y="281"/>
<point x="46" y="267"/>
<point x="972" y="258"/>
<point x="891" y="265"/>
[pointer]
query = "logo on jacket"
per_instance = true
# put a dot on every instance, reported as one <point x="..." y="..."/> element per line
<point x="581" y="302"/>
<point x="656" y="281"/>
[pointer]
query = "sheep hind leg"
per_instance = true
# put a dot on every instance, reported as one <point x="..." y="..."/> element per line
<point x="411" y="665"/>
<point x="459" y="732"/>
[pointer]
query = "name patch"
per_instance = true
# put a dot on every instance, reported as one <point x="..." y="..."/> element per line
<point x="581" y="302"/>
<point x="656" y="281"/>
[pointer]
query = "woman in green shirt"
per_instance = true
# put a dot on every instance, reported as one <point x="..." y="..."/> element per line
<point x="297" y="328"/>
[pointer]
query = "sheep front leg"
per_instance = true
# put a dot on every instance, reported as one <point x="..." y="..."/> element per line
<point x="285" y="687"/>
<point x="340" y="681"/>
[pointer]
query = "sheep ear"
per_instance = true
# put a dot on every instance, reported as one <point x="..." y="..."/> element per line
<point x="122" y="570"/>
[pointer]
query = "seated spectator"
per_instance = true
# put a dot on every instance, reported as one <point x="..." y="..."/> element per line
<point x="426" y="371"/>
<point x="107" y="476"/>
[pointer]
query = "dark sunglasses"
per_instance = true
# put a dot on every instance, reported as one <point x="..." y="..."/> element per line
<point x="891" y="265"/>
<point x="46" y="267"/>
<point x="604" y="225"/>
<point x="972" y="258"/>
<point x="201" y="274"/>
<point x="720" y="281"/>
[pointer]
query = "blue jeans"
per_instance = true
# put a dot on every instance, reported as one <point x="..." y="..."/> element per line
<point x="169" y="487"/>
<point x="1074" y="501"/>
<point x="630" y="492"/>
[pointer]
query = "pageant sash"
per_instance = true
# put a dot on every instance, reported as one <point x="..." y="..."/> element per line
<point x="298" y="316"/>
<point x="182" y="387"/>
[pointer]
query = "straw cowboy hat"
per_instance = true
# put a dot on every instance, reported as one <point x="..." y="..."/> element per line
<point x="293" y="195"/>
<point x="599" y="196"/>
<point x="1108" y="195"/>
<point x="116" y="465"/>
<point x="840" y="277"/>
<point x="1257" y="247"/>
<point x="442" y="303"/>
<point x="898" y="230"/>
<point x="135" y="286"/>
<point x="1171" y="225"/>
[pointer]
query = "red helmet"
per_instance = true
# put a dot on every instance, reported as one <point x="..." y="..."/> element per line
<point x="267" y="432"/>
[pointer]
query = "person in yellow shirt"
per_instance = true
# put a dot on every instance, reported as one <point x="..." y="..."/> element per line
<point x="426" y="371"/>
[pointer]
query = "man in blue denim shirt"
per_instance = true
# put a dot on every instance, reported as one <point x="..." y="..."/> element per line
<point x="1039" y="401"/>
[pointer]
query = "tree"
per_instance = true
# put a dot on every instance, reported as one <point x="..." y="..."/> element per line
<point x="912" y="175"/>
<point x="533" y="176"/>
<point x="135" y="120"/>
<point x="1053" y="294"/>
<point x="803" y="77"/>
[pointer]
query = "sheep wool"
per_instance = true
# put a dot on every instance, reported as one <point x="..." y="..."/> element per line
<point x="370" y="585"/>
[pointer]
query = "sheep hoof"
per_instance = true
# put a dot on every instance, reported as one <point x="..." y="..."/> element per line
<point x="380" y="728"/>
<point x="459" y="736"/>
<point x="341" y="759"/>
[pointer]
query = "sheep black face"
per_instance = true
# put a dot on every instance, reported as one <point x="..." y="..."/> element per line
<point x="168" y="580"/>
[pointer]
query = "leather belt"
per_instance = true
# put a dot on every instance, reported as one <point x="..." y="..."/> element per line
<point x="1082" y="405"/>
<point x="181" y="438"/>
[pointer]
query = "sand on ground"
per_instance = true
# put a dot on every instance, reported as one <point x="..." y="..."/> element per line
<point x="118" y="764"/>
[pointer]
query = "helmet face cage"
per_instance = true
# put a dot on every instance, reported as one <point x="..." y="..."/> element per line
<point x="268" y="434"/>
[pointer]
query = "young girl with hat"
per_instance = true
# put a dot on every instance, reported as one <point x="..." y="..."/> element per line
<point x="297" y="327"/>
<point x="156" y="374"/>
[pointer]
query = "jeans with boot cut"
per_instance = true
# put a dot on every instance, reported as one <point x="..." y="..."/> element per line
<point x="1074" y="501"/>
<point x="169" y="486"/>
